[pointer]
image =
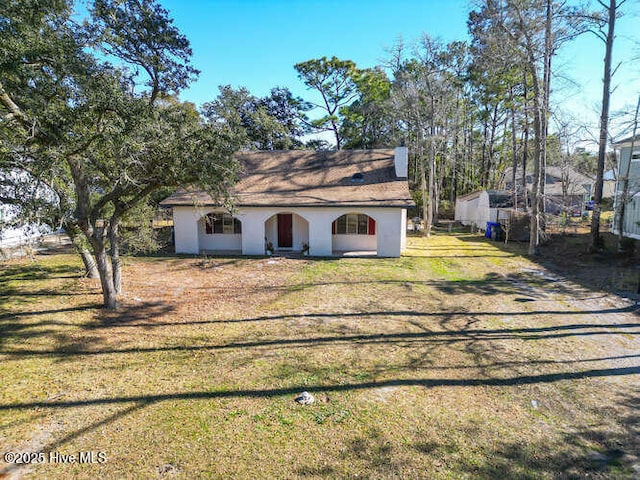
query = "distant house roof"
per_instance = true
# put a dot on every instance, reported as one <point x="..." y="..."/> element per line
<point x="302" y="178"/>
<point x="579" y="184"/>
<point x="626" y="142"/>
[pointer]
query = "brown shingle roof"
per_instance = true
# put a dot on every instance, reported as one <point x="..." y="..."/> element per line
<point x="309" y="178"/>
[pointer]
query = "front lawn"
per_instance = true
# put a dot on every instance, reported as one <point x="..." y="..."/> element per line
<point x="461" y="359"/>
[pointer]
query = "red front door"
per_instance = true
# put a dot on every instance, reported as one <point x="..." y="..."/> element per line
<point x="285" y="230"/>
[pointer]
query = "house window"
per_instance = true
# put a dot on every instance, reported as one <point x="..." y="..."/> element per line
<point x="354" y="224"/>
<point x="222" y="223"/>
<point x="636" y="156"/>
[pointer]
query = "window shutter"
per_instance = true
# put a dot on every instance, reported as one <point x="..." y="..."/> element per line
<point x="333" y="228"/>
<point x="372" y="226"/>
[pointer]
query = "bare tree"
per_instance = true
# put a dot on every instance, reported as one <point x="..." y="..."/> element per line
<point x="612" y="12"/>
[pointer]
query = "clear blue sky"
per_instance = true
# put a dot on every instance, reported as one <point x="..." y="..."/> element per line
<point x="255" y="43"/>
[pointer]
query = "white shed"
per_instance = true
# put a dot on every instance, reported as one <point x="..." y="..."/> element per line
<point x="478" y="208"/>
<point x="466" y="208"/>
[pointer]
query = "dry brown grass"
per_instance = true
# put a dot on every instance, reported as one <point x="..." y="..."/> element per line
<point x="461" y="359"/>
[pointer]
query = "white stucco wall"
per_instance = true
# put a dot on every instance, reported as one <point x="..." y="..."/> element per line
<point x="185" y="228"/>
<point x="403" y="239"/>
<point x="389" y="228"/>
<point x="300" y="232"/>
<point x="347" y="243"/>
<point x="271" y="230"/>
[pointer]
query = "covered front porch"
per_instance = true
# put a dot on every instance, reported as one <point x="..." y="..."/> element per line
<point x="316" y="231"/>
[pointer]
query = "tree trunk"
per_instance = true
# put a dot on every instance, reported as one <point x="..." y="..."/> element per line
<point x="539" y="149"/>
<point x="90" y="267"/>
<point x="94" y="235"/>
<point x="546" y="92"/>
<point x="336" y="133"/>
<point x="596" y="240"/>
<point x="116" y="263"/>
<point x="75" y="235"/>
<point x="453" y="192"/>
<point x="492" y="141"/>
<point x="514" y="152"/>
<point x="483" y="163"/>
<point x="109" y="294"/>
<point x="525" y="147"/>
<point x="423" y="185"/>
<point x="432" y="187"/>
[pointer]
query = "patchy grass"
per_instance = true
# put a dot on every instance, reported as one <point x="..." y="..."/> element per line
<point x="461" y="359"/>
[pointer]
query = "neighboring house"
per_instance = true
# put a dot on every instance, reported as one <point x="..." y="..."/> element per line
<point x="479" y="208"/>
<point x="609" y="183"/>
<point x="629" y="162"/>
<point x="16" y="235"/>
<point x="565" y="189"/>
<point x="14" y="230"/>
<point x="330" y="202"/>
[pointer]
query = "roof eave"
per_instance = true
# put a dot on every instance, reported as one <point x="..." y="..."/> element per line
<point x="407" y="204"/>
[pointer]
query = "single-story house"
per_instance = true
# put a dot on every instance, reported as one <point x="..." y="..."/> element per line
<point x="326" y="203"/>
<point x="629" y="162"/>
<point x="566" y="190"/>
<point x="609" y="183"/>
<point x="478" y="208"/>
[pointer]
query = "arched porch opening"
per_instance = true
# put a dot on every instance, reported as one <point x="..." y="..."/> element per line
<point x="219" y="233"/>
<point x="286" y="232"/>
<point x="354" y="234"/>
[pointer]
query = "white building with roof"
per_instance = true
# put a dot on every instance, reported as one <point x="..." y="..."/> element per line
<point x="323" y="203"/>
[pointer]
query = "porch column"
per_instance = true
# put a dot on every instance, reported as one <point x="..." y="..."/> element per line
<point x="389" y="231"/>
<point x="185" y="227"/>
<point x="252" y="232"/>
<point x="320" y="240"/>
<point x="403" y="241"/>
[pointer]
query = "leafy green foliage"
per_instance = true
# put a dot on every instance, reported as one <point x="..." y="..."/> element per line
<point x="334" y="79"/>
<point x="82" y="132"/>
<point x="365" y="122"/>
<point x="141" y="33"/>
<point x="275" y="122"/>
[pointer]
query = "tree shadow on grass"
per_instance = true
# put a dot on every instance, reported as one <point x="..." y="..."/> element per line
<point x="599" y="450"/>
<point x="545" y="378"/>
<point x="445" y="318"/>
<point x="446" y="337"/>
<point x="17" y="327"/>
<point x="131" y="313"/>
<point x="36" y="271"/>
<point x="596" y="450"/>
<point x="566" y="259"/>
<point x="55" y="445"/>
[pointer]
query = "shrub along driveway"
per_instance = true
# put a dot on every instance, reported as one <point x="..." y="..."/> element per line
<point x="459" y="359"/>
